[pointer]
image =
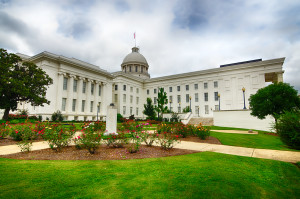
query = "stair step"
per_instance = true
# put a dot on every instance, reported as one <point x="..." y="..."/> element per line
<point x="204" y="121"/>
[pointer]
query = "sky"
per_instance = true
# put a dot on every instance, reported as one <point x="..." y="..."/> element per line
<point x="175" y="36"/>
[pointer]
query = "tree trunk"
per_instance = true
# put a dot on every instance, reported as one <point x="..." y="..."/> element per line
<point x="6" y="112"/>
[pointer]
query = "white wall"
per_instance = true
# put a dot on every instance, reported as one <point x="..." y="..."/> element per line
<point x="242" y="119"/>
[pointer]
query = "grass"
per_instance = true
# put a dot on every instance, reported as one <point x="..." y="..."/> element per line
<point x="260" y="140"/>
<point x="200" y="175"/>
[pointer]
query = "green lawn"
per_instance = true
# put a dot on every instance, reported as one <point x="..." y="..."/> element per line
<point x="200" y="175"/>
<point x="260" y="140"/>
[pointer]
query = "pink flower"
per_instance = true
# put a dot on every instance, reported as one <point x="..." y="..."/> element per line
<point x="17" y="132"/>
<point x="78" y="137"/>
<point x="137" y="137"/>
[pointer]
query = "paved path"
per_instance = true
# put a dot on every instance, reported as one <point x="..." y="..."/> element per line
<point x="287" y="156"/>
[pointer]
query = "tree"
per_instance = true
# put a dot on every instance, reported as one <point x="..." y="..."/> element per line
<point x="274" y="100"/>
<point x="149" y="109"/>
<point x="186" y="109"/>
<point x="162" y="99"/>
<point x="21" y="82"/>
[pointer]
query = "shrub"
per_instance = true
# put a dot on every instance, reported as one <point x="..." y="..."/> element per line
<point x="4" y="130"/>
<point x="90" y="140"/>
<point x="167" y="140"/>
<point x="174" y="117"/>
<point x="116" y="141"/>
<point x="23" y="112"/>
<point x="23" y="131"/>
<point x="57" y="136"/>
<point x="288" y="128"/>
<point x="202" y="132"/>
<point x="57" y="116"/>
<point x="13" y="116"/>
<point x="148" y="138"/>
<point x="131" y="117"/>
<point x="119" y="117"/>
<point x="135" y="144"/>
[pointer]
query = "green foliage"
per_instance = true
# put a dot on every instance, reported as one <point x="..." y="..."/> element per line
<point x="21" y="82"/>
<point x="90" y="139"/>
<point x="148" y="138"/>
<point x="149" y="109"/>
<point x="58" y="136"/>
<point x="116" y="141"/>
<point x="4" y="130"/>
<point x="274" y="100"/>
<point x="23" y="132"/>
<point x="186" y="109"/>
<point x="202" y="132"/>
<point x="174" y="117"/>
<point x="288" y="128"/>
<point x="57" y="117"/>
<point x="162" y="100"/>
<point x="167" y="140"/>
<point x="23" y="112"/>
<point x="119" y="117"/>
<point x="131" y="117"/>
<point x="135" y="143"/>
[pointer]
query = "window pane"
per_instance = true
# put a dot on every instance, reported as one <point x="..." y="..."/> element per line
<point x="83" y="87"/>
<point x="82" y="105"/>
<point x="65" y="86"/>
<point x="99" y="92"/>
<point x="74" y="105"/>
<point x="75" y="85"/>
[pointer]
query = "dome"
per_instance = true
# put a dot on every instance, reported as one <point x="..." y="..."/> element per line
<point x="135" y="57"/>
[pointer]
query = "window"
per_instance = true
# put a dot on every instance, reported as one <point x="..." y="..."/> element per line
<point x="137" y="100"/>
<point x="170" y="89"/>
<point x="65" y="86"/>
<point x="179" y="109"/>
<point x="131" y="89"/>
<point x="142" y="69"/>
<point x="216" y="96"/>
<point x="124" y="110"/>
<point x="83" y="87"/>
<point x="124" y="87"/>
<point x="155" y="100"/>
<point x="187" y="87"/>
<point x="116" y="98"/>
<point x="92" y="89"/>
<point x="99" y="92"/>
<point x="137" y="111"/>
<point x="137" y="90"/>
<point x="148" y="92"/>
<point x="74" y="105"/>
<point x="187" y="97"/>
<point x="131" y="99"/>
<point x="196" y="97"/>
<point x="206" y="109"/>
<point x="196" y="86"/>
<point x="82" y="105"/>
<point x="205" y="85"/>
<point x="63" y="105"/>
<point x="75" y="85"/>
<point x="178" y="99"/>
<point x="136" y="69"/>
<point x="116" y="87"/>
<point x="124" y="98"/>
<point x="92" y="106"/>
<point x="129" y="68"/>
<point x="170" y="98"/>
<point x="154" y="90"/>
<point x="178" y="88"/>
<point x="130" y="110"/>
<point x="206" y="97"/>
<point x="217" y="108"/>
<point x="215" y="84"/>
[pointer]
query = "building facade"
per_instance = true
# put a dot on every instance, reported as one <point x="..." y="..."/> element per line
<point x="82" y="91"/>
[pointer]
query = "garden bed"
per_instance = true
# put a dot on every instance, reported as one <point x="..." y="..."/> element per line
<point x="103" y="153"/>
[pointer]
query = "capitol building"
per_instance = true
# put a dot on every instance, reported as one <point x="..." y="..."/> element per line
<point x="81" y="91"/>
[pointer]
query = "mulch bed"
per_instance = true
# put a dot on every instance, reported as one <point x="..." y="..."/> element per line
<point x="104" y="152"/>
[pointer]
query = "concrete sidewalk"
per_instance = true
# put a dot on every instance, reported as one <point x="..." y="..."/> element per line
<point x="286" y="156"/>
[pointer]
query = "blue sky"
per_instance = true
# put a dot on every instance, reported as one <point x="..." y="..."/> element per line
<point x="174" y="36"/>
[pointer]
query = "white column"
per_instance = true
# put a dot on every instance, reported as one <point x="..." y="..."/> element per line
<point x="59" y="91"/>
<point x="70" y="94"/>
<point x="79" y="95"/>
<point x="88" y="97"/>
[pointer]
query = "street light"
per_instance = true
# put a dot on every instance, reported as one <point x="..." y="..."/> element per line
<point x="98" y="110"/>
<point x="190" y="103"/>
<point x="219" y="96"/>
<point x="243" y="89"/>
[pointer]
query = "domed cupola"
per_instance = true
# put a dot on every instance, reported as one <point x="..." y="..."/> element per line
<point x="136" y="64"/>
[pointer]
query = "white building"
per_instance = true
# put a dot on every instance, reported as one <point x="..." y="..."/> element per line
<point x="81" y="90"/>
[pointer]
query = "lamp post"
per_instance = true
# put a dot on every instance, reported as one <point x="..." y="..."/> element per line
<point x="170" y="105"/>
<point x="98" y="110"/>
<point x="219" y="96"/>
<point x="190" y="103"/>
<point x="243" y="89"/>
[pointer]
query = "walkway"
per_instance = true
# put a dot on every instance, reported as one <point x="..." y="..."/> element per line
<point x="286" y="156"/>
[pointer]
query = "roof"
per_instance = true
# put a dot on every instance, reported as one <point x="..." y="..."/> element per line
<point x="135" y="57"/>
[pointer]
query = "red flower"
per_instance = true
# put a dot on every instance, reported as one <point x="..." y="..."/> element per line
<point x="17" y="132"/>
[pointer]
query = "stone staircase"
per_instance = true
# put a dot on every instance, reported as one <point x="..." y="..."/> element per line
<point x="206" y="121"/>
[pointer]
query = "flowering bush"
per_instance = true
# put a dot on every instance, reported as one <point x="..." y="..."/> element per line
<point x="148" y="138"/>
<point x="13" y="116"/>
<point x="163" y="127"/>
<point x="202" y="132"/>
<point x="167" y="140"/>
<point x="135" y="144"/>
<point x="116" y="141"/>
<point x="58" y="136"/>
<point x="4" y="130"/>
<point x="90" y="139"/>
<point x="17" y="131"/>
